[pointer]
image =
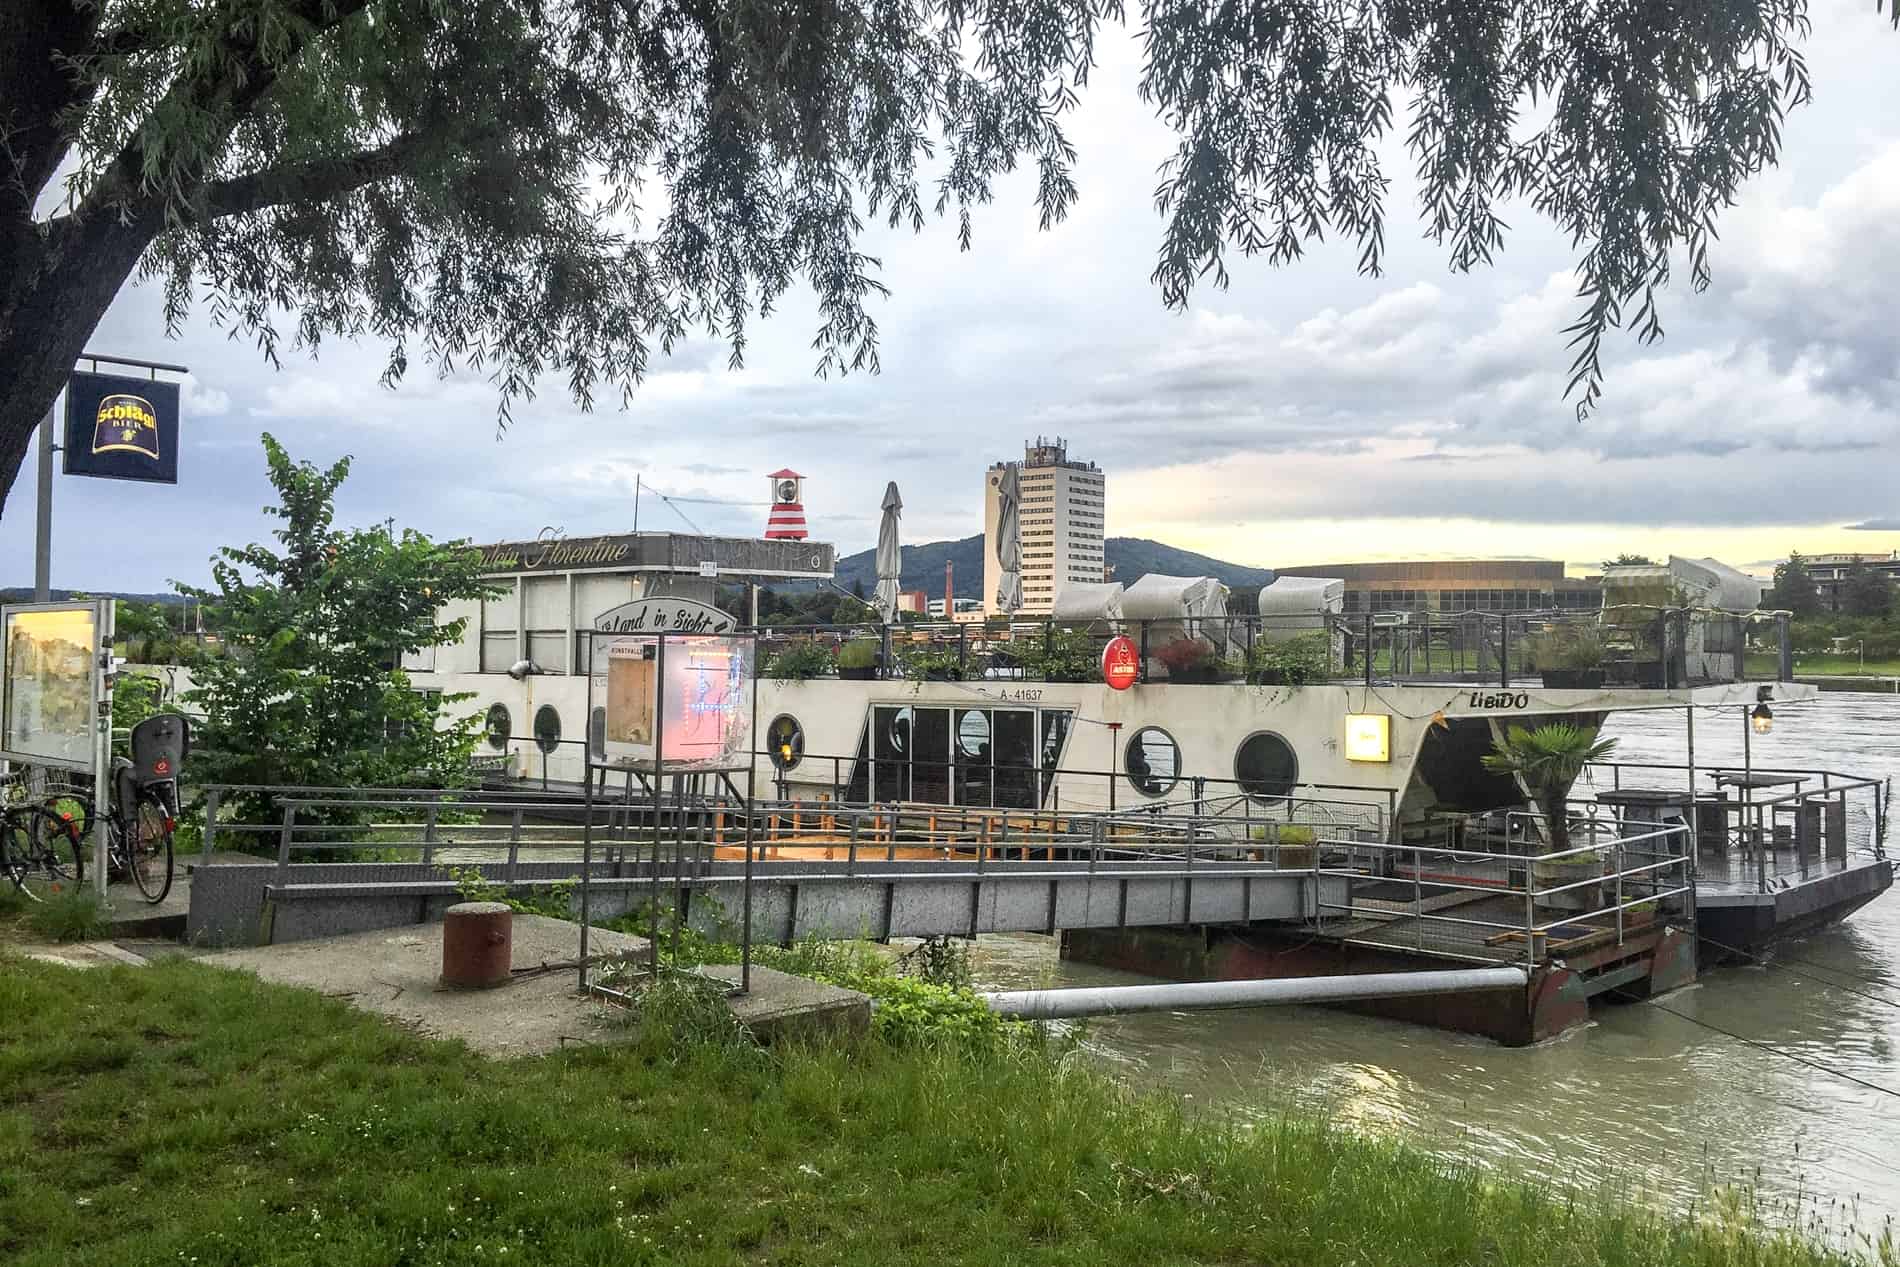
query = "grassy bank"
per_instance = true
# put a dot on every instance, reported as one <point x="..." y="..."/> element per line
<point x="178" y="1114"/>
<point x="1825" y="665"/>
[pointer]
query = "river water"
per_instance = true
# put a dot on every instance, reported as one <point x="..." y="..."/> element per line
<point x="1640" y="1101"/>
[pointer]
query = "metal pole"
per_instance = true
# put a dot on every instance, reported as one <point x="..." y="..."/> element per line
<point x="659" y="738"/>
<point x="102" y="736"/>
<point x="587" y="841"/>
<point x="1695" y="812"/>
<point x="1189" y="995"/>
<point x="43" y="523"/>
<point x="745" y="929"/>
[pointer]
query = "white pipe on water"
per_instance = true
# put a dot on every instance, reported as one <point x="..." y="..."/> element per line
<point x="1206" y="995"/>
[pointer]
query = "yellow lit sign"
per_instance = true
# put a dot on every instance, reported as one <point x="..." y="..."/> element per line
<point x="1368" y="737"/>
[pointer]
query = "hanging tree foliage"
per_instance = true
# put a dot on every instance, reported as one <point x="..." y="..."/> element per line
<point x="540" y="186"/>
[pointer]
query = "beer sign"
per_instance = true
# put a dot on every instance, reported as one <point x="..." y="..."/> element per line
<point x="1121" y="663"/>
<point x="121" y="428"/>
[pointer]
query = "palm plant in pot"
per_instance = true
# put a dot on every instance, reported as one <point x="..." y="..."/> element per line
<point x="1548" y="759"/>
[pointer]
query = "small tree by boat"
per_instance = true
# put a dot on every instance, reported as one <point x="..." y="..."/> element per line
<point x="1548" y="759"/>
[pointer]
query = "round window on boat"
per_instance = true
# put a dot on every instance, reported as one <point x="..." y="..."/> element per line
<point x="498" y="725"/>
<point x="1265" y="767"/>
<point x="547" y="728"/>
<point x="785" y="742"/>
<point x="973" y="734"/>
<point x="900" y="732"/>
<point x="1153" y="761"/>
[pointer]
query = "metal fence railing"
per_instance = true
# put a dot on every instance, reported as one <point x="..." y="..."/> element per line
<point x="1512" y="899"/>
<point x="1623" y="645"/>
<point x="1762" y="824"/>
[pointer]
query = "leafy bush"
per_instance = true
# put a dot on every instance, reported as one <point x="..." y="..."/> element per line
<point x="1293" y="662"/>
<point x="801" y="662"/>
<point x="911" y="1010"/>
<point x="1564" y="647"/>
<point x="1185" y="655"/>
<point x="553" y="899"/>
<point x="73" y="913"/>
<point x="1065" y="655"/>
<point x="859" y="653"/>
<point x="931" y="662"/>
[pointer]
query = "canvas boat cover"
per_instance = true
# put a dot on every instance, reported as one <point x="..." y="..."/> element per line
<point x="1303" y="596"/>
<point x="1089" y="600"/>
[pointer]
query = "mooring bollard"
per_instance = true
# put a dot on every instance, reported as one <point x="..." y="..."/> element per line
<point x="477" y="945"/>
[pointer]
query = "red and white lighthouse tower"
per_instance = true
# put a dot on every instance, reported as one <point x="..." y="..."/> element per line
<point x="788" y="507"/>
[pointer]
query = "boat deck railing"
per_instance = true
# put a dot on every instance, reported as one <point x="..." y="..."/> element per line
<point x="1626" y="646"/>
<point x="1509" y="898"/>
<point x="1762" y="826"/>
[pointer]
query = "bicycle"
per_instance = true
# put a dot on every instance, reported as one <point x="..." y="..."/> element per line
<point x="139" y="847"/>
<point x="143" y="808"/>
<point x="35" y="843"/>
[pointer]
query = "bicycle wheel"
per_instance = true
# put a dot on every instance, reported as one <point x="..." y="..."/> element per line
<point x="42" y="851"/>
<point x="150" y="850"/>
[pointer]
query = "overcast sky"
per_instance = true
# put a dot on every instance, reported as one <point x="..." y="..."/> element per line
<point x="1305" y="415"/>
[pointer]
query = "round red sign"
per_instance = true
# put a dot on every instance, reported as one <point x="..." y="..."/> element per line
<point x="1121" y="663"/>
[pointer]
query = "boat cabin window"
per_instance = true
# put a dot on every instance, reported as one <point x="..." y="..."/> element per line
<point x="1265" y="767"/>
<point x="1003" y="758"/>
<point x="1153" y="761"/>
<point x="547" y="728"/>
<point x="785" y="742"/>
<point x="498" y="725"/>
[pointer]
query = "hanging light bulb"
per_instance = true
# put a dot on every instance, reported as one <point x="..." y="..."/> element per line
<point x="1762" y="719"/>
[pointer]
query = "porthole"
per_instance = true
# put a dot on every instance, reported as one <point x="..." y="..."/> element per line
<point x="498" y="725"/>
<point x="1265" y="767"/>
<point x="785" y="742"/>
<point x="1153" y="761"/>
<point x="547" y="728"/>
<point x="973" y="734"/>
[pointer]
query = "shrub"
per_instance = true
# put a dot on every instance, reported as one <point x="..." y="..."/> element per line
<point x="859" y="653"/>
<point x="801" y="662"/>
<point x="1185" y="655"/>
<point x="939" y="663"/>
<point x="1293" y="662"/>
<point x="1064" y="655"/>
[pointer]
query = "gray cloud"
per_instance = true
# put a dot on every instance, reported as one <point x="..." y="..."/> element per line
<point x="1890" y="524"/>
<point x="1306" y="392"/>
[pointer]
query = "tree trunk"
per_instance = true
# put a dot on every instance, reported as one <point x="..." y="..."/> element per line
<point x="51" y="303"/>
<point x="1556" y="821"/>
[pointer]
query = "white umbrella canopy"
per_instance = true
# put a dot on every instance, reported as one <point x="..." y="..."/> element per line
<point x="890" y="558"/>
<point x="1009" y="546"/>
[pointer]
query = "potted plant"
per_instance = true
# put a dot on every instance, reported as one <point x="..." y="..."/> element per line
<point x="933" y="664"/>
<point x="1296" y="844"/>
<point x="1294" y="662"/>
<point x="1570" y="657"/>
<point x="1190" y="660"/>
<point x="1547" y="761"/>
<point x="857" y="659"/>
<point x="801" y="662"/>
<point x="1063" y="655"/>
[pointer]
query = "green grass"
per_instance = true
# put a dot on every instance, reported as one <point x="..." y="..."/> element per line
<point x="178" y="1114"/>
<point x="74" y="913"/>
<point x="1763" y="666"/>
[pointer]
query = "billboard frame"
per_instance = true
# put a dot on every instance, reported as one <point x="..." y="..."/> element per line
<point x="99" y="694"/>
<point x="653" y="776"/>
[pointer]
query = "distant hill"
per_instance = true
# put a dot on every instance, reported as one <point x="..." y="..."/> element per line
<point x="24" y="594"/>
<point x="1131" y="557"/>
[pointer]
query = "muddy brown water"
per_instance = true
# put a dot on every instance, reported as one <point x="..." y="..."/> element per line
<point x="1660" y="1106"/>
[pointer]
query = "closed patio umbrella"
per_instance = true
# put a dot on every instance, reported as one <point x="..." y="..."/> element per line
<point x="890" y="559"/>
<point x="1009" y="548"/>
